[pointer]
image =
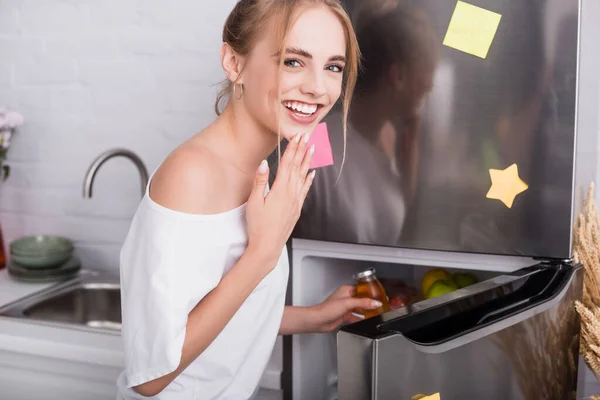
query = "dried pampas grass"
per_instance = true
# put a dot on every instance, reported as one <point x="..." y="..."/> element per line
<point x="586" y="250"/>
<point x="542" y="344"/>
<point x="548" y="341"/>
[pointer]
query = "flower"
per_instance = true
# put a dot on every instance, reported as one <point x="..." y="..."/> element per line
<point x="9" y="122"/>
<point x="5" y="136"/>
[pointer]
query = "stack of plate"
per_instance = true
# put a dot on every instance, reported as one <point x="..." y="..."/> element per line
<point x="42" y="258"/>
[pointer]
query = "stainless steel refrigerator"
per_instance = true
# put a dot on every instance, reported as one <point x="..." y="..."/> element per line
<point x="472" y="132"/>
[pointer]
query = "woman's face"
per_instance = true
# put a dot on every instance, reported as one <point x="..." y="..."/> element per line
<point x="311" y="81"/>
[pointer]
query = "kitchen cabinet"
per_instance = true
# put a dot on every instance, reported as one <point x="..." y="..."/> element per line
<point x="40" y="362"/>
<point x="26" y="376"/>
<point x="43" y="362"/>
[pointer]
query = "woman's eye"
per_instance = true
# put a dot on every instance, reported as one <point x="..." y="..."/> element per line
<point x="292" y="63"/>
<point x="335" y="68"/>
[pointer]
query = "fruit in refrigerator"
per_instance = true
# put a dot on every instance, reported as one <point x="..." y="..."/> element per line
<point x="399" y="293"/>
<point x="399" y="301"/>
<point x="441" y="287"/>
<point x="464" y="279"/>
<point x="433" y="276"/>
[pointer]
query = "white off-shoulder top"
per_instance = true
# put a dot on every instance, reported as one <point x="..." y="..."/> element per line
<point x="170" y="260"/>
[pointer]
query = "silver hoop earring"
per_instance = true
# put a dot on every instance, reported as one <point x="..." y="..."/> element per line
<point x="241" y="90"/>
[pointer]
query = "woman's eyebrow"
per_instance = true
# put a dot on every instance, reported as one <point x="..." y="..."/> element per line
<point x="338" y="58"/>
<point x="295" y="50"/>
<point x="298" y="51"/>
<point x="301" y="52"/>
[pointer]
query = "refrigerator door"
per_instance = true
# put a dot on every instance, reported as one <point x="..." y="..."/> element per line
<point x="514" y="340"/>
<point x="426" y="150"/>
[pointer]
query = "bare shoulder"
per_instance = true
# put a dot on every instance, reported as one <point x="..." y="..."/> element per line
<point x="187" y="179"/>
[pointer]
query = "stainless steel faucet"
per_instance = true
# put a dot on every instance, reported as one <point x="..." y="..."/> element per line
<point x="102" y="158"/>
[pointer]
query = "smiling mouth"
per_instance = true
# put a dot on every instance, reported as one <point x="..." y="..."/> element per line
<point x="302" y="110"/>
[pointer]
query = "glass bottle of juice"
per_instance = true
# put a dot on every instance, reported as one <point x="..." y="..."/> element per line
<point x="367" y="285"/>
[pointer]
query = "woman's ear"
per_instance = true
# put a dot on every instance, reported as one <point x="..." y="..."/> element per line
<point x="232" y="63"/>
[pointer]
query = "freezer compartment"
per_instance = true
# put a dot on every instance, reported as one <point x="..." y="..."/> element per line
<point x="318" y="269"/>
<point x="512" y="337"/>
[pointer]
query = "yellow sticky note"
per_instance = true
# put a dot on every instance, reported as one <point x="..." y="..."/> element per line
<point x="472" y="29"/>
<point x="423" y="397"/>
<point x="506" y="185"/>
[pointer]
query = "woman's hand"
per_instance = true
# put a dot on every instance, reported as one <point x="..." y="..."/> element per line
<point x="272" y="218"/>
<point x="337" y="309"/>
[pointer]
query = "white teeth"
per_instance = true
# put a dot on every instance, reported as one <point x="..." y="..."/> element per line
<point x="309" y="109"/>
<point x="303" y="108"/>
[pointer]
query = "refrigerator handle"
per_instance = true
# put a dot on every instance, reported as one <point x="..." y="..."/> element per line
<point x="518" y="304"/>
<point x="492" y="314"/>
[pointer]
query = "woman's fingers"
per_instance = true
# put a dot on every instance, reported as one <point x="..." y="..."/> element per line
<point x="306" y="186"/>
<point x="308" y="156"/>
<point x="353" y="303"/>
<point x="296" y="162"/>
<point x="343" y="292"/>
<point x="284" y="168"/>
<point x="301" y="151"/>
<point x="290" y="153"/>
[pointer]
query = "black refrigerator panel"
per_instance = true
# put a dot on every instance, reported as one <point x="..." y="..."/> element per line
<point x="512" y="337"/>
<point x="461" y="134"/>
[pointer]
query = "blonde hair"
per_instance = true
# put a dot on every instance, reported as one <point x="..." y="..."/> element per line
<point x="249" y="18"/>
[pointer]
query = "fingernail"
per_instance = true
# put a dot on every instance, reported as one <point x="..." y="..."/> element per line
<point x="306" y="137"/>
<point x="311" y="151"/>
<point x="297" y="137"/>
<point x="313" y="173"/>
<point x="376" y="304"/>
<point x="358" y="315"/>
<point x="263" y="167"/>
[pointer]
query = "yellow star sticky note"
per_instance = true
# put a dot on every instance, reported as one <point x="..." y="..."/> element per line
<point x="423" y="397"/>
<point x="506" y="185"/>
<point x="472" y="29"/>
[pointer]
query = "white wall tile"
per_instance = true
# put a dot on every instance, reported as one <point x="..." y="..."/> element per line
<point x="62" y="18"/>
<point x="8" y="20"/>
<point x="5" y="74"/>
<point x="54" y="71"/>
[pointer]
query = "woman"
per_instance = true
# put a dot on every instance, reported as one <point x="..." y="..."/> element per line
<point x="204" y="268"/>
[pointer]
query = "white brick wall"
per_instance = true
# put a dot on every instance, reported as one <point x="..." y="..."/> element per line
<point x="89" y="75"/>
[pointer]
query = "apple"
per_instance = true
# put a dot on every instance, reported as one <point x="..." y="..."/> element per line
<point x="399" y="301"/>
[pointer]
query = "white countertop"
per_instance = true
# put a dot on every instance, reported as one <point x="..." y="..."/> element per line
<point x="11" y="289"/>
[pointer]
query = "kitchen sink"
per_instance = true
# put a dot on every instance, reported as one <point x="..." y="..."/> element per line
<point x="91" y="301"/>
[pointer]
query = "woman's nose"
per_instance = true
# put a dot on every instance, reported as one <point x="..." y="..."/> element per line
<point x="314" y="84"/>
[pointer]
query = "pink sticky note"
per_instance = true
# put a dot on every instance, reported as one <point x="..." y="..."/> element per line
<point x="323" y="155"/>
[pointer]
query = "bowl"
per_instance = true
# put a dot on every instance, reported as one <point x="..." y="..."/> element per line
<point x="41" y="251"/>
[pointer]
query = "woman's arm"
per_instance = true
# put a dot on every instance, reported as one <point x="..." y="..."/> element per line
<point x="297" y="319"/>
<point x="326" y="316"/>
<point x="211" y="314"/>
